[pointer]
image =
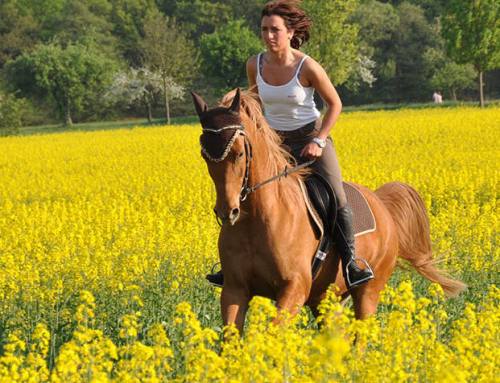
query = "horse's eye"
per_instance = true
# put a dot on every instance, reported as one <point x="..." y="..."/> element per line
<point x="239" y="156"/>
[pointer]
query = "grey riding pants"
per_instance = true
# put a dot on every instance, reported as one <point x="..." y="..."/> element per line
<point x="327" y="165"/>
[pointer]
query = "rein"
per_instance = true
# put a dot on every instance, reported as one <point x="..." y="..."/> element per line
<point x="284" y="173"/>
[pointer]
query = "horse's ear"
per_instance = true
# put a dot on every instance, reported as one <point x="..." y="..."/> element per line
<point x="235" y="105"/>
<point x="200" y="104"/>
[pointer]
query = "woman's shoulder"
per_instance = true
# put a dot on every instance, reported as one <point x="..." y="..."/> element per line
<point x="309" y="61"/>
<point x="252" y="64"/>
<point x="311" y="66"/>
<point x="252" y="59"/>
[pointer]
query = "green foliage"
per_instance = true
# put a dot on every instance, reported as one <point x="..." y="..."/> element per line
<point x="359" y="42"/>
<point x="378" y="23"/>
<point x="250" y="10"/>
<point x="431" y="8"/>
<point x="11" y="114"/>
<point x="413" y="36"/>
<point x="128" y="18"/>
<point x="453" y="78"/>
<point x="201" y="16"/>
<point x="73" y="75"/>
<point x="334" y="39"/>
<point x="17" y="31"/>
<point x="167" y="49"/>
<point x="472" y="32"/>
<point x="226" y="51"/>
<point x="396" y="38"/>
<point x="81" y="21"/>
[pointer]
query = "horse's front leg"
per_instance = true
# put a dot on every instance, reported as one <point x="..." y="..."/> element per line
<point x="234" y="306"/>
<point x="293" y="295"/>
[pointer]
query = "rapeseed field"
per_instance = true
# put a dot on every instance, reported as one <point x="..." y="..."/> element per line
<point x="105" y="238"/>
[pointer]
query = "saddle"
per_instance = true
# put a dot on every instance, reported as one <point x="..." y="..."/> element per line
<point x="322" y="206"/>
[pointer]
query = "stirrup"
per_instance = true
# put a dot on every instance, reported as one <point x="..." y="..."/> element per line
<point x="363" y="280"/>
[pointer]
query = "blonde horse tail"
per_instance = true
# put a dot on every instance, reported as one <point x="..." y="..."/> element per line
<point x="413" y="229"/>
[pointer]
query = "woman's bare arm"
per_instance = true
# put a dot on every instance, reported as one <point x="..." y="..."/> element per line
<point x="252" y="74"/>
<point x="321" y="83"/>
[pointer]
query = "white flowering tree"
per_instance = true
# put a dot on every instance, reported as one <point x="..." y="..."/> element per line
<point x="169" y="52"/>
<point x="142" y="86"/>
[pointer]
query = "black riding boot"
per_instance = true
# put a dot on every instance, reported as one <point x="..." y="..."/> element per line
<point x="353" y="275"/>
<point x="216" y="279"/>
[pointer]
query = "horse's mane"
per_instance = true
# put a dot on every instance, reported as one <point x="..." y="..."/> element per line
<point x="262" y="135"/>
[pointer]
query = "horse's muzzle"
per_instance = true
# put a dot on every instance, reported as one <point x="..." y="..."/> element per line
<point x="231" y="218"/>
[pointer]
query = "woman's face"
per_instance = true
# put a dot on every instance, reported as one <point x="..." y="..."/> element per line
<point x="274" y="33"/>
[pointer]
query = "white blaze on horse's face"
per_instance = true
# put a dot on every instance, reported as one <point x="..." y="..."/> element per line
<point x="228" y="176"/>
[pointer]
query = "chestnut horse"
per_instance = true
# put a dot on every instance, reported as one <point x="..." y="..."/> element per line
<point x="267" y="240"/>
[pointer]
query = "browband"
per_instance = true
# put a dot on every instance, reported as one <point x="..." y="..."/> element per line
<point x="212" y="155"/>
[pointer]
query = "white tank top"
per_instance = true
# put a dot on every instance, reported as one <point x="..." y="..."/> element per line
<point x="289" y="106"/>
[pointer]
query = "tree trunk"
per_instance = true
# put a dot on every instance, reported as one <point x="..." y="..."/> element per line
<point x="454" y="94"/>
<point x="67" y="114"/>
<point x="167" y="106"/>
<point x="481" y="85"/>
<point x="150" y="113"/>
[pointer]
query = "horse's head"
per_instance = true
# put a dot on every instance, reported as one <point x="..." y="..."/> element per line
<point x="227" y="153"/>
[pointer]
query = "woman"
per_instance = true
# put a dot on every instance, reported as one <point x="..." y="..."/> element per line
<point x="286" y="79"/>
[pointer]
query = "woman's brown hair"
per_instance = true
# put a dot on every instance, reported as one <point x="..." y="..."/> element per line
<point x="294" y="16"/>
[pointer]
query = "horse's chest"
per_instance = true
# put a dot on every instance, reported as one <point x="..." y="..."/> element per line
<point x="263" y="264"/>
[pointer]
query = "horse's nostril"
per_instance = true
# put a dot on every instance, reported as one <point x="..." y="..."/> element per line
<point x="235" y="212"/>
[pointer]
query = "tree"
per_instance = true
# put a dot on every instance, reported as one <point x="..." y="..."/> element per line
<point x="471" y="29"/>
<point x="17" y="32"/>
<point x="431" y="8"/>
<point x="86" y="20"/>
<point x="141" y="86"/>
<point x="453" y="78"/>
<point x="378" y="23"/>
<point x="250" y="10"/>
<point x="225" y="52"/>
<point x="11" y="114"/>
<point x="334" y="39"/>
<point x="128" y="18"/>
<point x="71" y="75"/>
<point x="413" y="37"/>
<point x="167" y="51"/>
<point x="446" y="74"/>
<point x="199" y="17"/>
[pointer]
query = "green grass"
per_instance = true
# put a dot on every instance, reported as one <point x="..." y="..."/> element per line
<point x="422" y="105"/>
<point x="103" y="125"/>
<point x="131" y="123"/>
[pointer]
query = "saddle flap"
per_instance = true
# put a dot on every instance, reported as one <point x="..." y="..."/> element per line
<point x="323" y="199"/>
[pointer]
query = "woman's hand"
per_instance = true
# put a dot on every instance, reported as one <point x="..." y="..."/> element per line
<point x="311" y="151"/>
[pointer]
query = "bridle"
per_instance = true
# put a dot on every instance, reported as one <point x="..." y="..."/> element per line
<point x="245" y="188"/>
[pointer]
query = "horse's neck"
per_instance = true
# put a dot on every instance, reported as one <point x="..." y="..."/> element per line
<point x="266" y="200"/>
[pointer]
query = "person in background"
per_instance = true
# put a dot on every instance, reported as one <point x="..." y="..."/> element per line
<point x="437" y="97"/>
